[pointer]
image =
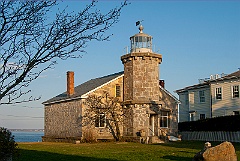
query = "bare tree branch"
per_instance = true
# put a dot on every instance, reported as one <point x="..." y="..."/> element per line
<point x="29" y="40"/>
<point x="110" y="107"/>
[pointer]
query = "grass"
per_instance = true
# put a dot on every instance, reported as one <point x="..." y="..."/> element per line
<point x="177" y="151"/>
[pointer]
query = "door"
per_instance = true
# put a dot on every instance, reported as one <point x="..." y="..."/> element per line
<point x="153" y="125"/>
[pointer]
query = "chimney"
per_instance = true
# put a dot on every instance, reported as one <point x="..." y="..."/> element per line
<point x="162" y="83"/>
<point x="70" y="83"/>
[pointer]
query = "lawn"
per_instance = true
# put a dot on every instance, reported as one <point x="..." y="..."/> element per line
<point x="178" y="151"/>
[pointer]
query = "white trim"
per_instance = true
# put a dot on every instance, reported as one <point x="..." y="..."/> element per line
<point x="233" y="91"/>
<point x="202" y="114"/>
<point x="86" y="94"/>
<point x="99" y="117"/>
<point x="199" y="96"/>
<point x="166" y="91"/>
<point x="216" y="93"/>
<point x="83" y="96"/>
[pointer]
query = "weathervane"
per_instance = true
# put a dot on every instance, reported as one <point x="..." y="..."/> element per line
<point x="138" y="22"/>
<point x="140" y="27"/>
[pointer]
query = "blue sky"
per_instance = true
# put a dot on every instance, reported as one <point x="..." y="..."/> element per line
<point x="196" y="39"/>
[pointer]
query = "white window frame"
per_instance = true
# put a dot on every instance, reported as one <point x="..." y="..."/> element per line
<point x="202" y="114"/>
<point x="100" y="119"/>
<point x="164" y="118"/>
<point x="202" y="98"/>
<point x="233" y="91"/>
<point x="218" y="91"/>
<point x="236" y="112"/>
<point x="192" y="116"/>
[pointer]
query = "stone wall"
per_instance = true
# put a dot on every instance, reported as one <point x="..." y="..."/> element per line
<point x="105" y="132"/>
<point x="63" y="120"/>
<point x="169" y="103"/>
<point x="136" y="117"/>
<point x="110" y="88"/>
<point x="141" y="76"/>
<point x="143" y="97"/>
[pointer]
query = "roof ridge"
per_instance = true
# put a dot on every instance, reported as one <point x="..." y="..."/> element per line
<point x="84" y="88"/>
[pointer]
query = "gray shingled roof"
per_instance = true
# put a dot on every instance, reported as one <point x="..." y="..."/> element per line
<point x="84" y="88"/>
<point x="196" y="86"/>
<point x="233" y="75"/>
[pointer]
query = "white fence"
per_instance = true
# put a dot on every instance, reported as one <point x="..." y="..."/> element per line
<point x="211" y="135"/>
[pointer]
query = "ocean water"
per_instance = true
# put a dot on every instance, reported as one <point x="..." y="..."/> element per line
<point x="28" y="136"/>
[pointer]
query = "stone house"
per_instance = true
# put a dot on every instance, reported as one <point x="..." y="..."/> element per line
<point x="150" y="111"/>
<point x="213" y="97"/>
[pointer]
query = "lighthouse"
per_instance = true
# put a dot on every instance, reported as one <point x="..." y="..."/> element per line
<point x="141" y="87"/>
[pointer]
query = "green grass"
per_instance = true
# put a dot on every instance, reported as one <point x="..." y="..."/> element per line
<point x="178" y="151"/>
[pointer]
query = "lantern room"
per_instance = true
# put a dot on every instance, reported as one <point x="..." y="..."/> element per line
<point x="141" y="42"/>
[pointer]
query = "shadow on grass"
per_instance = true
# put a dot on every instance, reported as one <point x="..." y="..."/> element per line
<point x="177" y="158"/>
<point x="197" y="145"/>
<point x="33" y="155"/>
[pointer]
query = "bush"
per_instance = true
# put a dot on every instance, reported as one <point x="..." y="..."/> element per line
<point x="89" y="136"/>
<point x="223" y="123"/>
<point x="8" y="146"/>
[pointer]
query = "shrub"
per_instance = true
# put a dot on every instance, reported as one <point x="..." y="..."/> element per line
<point x="88" y="136"/>
<point x="8" y="146"/>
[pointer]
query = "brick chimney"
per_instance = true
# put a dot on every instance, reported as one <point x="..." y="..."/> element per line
<point x="70" y="83"/>
<point x="162" y="83"/>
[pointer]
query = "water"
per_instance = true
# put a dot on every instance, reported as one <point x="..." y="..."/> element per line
<point x="28" y="136"/>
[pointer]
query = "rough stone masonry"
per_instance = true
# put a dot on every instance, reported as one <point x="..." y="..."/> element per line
<point x="223" y="152"/>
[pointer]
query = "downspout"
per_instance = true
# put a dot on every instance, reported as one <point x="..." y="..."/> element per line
<point x="189" y="118"/>
<point x="210" y="87"/>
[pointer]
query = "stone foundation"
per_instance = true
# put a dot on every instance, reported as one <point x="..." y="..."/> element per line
<point x="64" y="140"/>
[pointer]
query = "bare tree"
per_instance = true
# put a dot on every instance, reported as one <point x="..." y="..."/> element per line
<point x="105" y="109"/>
<point x="30" y="43"/>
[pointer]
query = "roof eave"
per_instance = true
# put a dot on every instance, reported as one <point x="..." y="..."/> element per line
<point x="62" y="100"/>
<point x="166" y="91"/>
<point x="83" y="96"/>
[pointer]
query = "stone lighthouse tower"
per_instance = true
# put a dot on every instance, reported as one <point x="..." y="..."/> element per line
<point x="141" y="87"/>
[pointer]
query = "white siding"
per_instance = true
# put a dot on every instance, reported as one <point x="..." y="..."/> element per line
<point x="227" y="104"/>
<point x="201" y="107"/>
<point x="194" y="105"/>
<point x="183" y="107"/>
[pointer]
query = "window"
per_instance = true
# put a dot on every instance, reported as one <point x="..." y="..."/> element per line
<point x="236" y="113"/>
<point x="117" y="91"/>
<point x="100" y="120"/>
<point x="202" y="116"/>
<point x="235" y="91"/>
<point x="191" y="115"/>
<point x="201" y="96"/>
<point x="219" y="93"/>
<point x="164" y="119"/>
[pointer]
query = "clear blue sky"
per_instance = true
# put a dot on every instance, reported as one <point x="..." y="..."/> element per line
<point x="195" y="38"/>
